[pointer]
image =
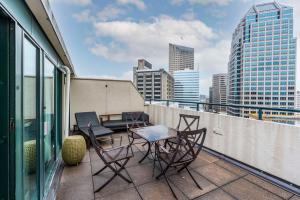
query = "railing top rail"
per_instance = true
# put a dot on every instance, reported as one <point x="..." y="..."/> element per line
<point x="228" y="105"/>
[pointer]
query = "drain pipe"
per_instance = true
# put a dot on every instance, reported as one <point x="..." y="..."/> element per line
<point x="67" y="100"/>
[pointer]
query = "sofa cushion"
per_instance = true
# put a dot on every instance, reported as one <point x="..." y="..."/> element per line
<point x="115" y="123"/>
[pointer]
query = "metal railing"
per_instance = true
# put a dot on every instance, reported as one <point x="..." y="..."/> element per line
<point x="260" y="109"/>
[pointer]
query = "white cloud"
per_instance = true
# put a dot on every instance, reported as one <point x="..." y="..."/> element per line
<point x="149" y="40"/>
<point x="189" y="15"/>
<point x="74" y="2"/>
<point x="84" y="16"/>
<point x="137" y="3"/>
<point x="202" y="2"/>
<point x="207" y="2"/>
<point x="125" y="76"/>
<point x="109" y="12"/>
<point x="176" y="2"/>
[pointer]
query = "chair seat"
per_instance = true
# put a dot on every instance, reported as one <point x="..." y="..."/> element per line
<point x="98" y="131"/>
<point x="118" y="153"/>
<point x="167" y="157"/>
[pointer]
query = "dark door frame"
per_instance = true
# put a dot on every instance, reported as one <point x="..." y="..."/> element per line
<point x="7" y="117"/>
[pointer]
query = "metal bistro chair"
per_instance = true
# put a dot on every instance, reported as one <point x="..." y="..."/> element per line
<point x="136" y="120"/>
<point x="114" y="158"/>
<point x="186" y="123"/>
<point x="188" y="146"/>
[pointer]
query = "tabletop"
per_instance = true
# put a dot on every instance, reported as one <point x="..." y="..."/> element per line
<point x="155" y="133"/>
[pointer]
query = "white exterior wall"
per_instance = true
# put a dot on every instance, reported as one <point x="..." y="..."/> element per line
<point x="269" y="146"/>
<point x="104" y="97"/>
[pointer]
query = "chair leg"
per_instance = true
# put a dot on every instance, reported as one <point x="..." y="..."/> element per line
<point x="183" y="167"/>
<point x="100" y="170"/>
<point x="170" y="186"/>
<point x="123" y="167"/>
<point x="107" y="182"/>
<point x="147" y="153"/>
<point x="194" y="179"/>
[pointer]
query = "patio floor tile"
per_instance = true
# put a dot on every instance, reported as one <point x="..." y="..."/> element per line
<point x="208" y="157"/>
<point x="159" y="190"/>
<point x="141" y="174"/>
<point x="243" y="189"/>
<point x="268" y="186"/>
<point x="199" y="162"/>
<point x="216" y="174"/>
<point x="295" y="198"/>
<point x="184" y="182"/>
<point x="216" y="195"/>
<point x="116" y="185"/>
<point x="75" y="174"/>
<point x="82" y="190"/>
<point x="130" y="194"/>
<point x="232" y="168"/>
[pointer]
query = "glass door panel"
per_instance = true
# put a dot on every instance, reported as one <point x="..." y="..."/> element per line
<point x="49" y="116"/>
<point x="30" y="121"/>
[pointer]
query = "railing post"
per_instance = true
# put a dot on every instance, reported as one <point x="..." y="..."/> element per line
<point x="168" y="103"/>
<point x="197" y="106"/>
<point x="260" y="114"/>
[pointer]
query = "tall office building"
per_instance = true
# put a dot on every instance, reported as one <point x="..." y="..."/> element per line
<point x="262" y="66"/>
<point x="298" y="100"/>
<point x="186" y="86"/>
<point x="180" y="58"/>
<point x="219" y="88"/>
<point x="153" y="83"/>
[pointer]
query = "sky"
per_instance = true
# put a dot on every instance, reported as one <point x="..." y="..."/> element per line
<point x="105" y="38"/>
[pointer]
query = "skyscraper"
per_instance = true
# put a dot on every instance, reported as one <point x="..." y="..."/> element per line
<point x="153" y="83"/>
<point x="262" y="65"/>
<point x="180" y="58"/>
<point x="219" y="87"/>
<point x="298" y="100"/>
<point x="186" y="86"/>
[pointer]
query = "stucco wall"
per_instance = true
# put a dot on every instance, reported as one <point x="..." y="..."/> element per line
<point x="271" y="147"/>
<point x="104" y="97"/>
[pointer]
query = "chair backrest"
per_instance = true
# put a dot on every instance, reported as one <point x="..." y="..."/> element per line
<point x="188" y="122"/>
<point x="95" y="142"/>
<point x="84" y="118"/>
<point x="189" y="143"/>
<point x="134" y="119"/>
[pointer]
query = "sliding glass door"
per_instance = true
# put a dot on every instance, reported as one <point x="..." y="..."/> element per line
<point x="30" y="119"/>
<point x="49" y="117"/>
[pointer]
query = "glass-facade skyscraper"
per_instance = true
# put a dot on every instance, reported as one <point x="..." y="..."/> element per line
<point x="186" y="86"/>
<point x="262" y="65"/>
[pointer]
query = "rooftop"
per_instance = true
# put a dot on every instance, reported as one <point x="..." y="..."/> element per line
<point x="218" y="178"/>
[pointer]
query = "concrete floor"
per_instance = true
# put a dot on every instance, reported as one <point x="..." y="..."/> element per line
<point x="219" y="179"/>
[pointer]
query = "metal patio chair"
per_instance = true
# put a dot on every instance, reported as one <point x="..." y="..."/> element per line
<point x="84" y="118"/>
<point x="114" y="158"/>
<point x="136" y="120"/>
<point x="186" y="123"/>
<point x="188" y="146"/>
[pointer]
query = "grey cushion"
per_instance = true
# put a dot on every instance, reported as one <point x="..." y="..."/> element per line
<point x="98" y="130"/>
<point x="119" y="123"/>
<point x="114" y="123"/>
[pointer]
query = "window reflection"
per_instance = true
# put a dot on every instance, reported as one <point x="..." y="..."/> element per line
<point x="30" y="118"/>
<point x="49" y="125"/>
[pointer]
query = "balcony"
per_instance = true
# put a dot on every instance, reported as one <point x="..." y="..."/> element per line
<point x="240" y="158"/>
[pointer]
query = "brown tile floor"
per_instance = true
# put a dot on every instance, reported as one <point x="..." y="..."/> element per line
<point x="219" y="179"/>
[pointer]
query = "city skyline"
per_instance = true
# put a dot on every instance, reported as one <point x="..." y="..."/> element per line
<point x="206" y="33"/>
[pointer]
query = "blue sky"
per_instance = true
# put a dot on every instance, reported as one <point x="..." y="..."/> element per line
<point x="106" y="37"/>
